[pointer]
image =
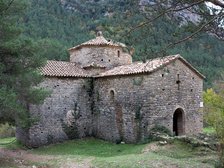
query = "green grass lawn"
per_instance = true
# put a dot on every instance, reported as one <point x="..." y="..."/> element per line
<point x="90" y="147"/>
<point x="107" y="154"/>
<point x="102" y="154"/>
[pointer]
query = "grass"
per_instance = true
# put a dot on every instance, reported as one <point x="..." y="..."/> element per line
<point x="111" y="155"/>
<point x="10" y="143"/>
<point x="90" y="147"/>
<point x="177" y="154"/>
<point x="102" y="154"/>
<point x="209" y="130"/>
<point x="6" y="141"/>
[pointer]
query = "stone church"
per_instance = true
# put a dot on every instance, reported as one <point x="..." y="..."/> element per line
<point x="100" y="92"/>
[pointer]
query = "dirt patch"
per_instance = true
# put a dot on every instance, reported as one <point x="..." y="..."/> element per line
<point x="153" y="147"/>
<point x="150" y="148"/>
<point x="25" y="159"/>
<point x="73" y="164"/>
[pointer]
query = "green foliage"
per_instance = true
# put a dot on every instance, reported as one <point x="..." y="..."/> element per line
<point x="89" y="86"/>
<point x="70" y="130"/>
<point x="138" y="81"/>
<point x="6" y="130"/>
<point x="19" y="60"/>
<point x="214" y="111"/>
<point x="11" y="143"/>
<point x="161" y="129"/>
<point x="138" y="112"/>
<point x="58" y="25"/>
<point x="209" y="130"/>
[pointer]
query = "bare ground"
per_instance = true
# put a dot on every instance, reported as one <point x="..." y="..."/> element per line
<point x="24" y="159"/>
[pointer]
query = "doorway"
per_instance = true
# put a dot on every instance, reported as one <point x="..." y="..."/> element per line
<point x="178" y="122"/>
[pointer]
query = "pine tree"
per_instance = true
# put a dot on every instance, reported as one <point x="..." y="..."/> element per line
<point x="19" y="61"/>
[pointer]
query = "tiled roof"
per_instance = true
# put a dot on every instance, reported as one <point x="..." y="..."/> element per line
<point x="63" y="69"/>
<point x="99" y="41"/>
<point x="148" y="66"/>
<point x="69" y="69"/>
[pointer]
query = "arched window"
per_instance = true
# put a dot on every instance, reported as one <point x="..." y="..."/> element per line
<point x="111" y="95"/>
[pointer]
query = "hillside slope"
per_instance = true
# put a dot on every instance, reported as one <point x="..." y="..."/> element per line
<point x="61" y="24"/>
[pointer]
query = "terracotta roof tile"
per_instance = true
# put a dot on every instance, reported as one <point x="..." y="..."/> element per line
<point x="148" y="66"/>
<point x="63" y="69"/>
<point x="99" y="41"/>
<point x="69" y="69"/>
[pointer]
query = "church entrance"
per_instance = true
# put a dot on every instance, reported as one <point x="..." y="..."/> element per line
<point x="178" y="122"/>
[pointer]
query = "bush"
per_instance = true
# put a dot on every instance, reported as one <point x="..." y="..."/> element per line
<point x="157" y="133"/>
<point x="6" y="130"/>
<point x="161" y="129"/>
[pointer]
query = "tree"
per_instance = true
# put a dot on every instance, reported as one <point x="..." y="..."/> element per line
<point x="214" y="115"/>
<point x="208" y="19"/>
<point x="19" y="60"/>
<point x="190" y="28"/>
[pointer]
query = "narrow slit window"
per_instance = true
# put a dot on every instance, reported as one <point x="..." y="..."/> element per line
<point x="118" y="53"/>
<point x="112" y="95"/>
<point x="178" y="81"/>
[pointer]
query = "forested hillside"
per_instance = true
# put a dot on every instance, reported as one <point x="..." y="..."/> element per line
<point x="61" y="24"/>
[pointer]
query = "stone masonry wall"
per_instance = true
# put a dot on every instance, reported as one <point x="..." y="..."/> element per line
<point x="127" y="107"/>
<point x="65" y="114"/>
<point x="107" y="56"/>
<point x="119" y="108"/>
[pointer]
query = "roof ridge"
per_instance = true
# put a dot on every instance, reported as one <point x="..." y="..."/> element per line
<point x="148" y="66"/>
<point x="99" y="40"/>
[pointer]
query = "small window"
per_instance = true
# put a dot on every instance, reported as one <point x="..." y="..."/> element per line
<point x="162" y="75"/>
<point x="109" y="60"/>
<point x="112" y="95"/>
<point x="118" y="53"/>
<point x="101" y="60"/>
<point x="191" y="90"/>
<point x="178" y="81"/>
<point x="192" y="78"/>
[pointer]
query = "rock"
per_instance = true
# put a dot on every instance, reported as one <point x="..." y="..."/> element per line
<point x="162" y="142"/>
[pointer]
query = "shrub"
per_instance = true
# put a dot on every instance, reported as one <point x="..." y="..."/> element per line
<point x="6" y="130"/>
<point x="161" y="129"/>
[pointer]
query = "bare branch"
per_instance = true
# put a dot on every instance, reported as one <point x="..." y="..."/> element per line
<point x="193" y="34"/>
<point x="170" y="9"/>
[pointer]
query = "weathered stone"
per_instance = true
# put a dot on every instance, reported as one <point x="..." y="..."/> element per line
<point x="117" y="108"/>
